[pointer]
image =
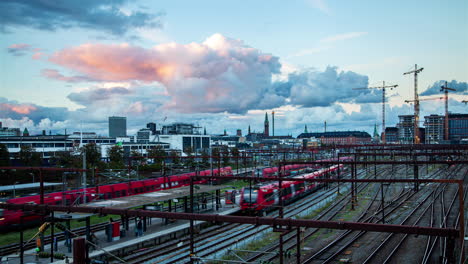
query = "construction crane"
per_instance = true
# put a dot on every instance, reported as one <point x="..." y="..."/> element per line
<point x="425" y="99"/>
<point x="416" y="102"/>
<point x="383" y="87"/>
<point x="445" y="89"/>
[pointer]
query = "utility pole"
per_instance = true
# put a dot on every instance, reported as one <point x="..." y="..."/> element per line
<point x="446" y="125"/>
<point x="383" y="87"/>
<point x="416" y="102"/>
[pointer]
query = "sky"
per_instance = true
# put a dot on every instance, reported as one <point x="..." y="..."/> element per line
<point x="224" y="64"/>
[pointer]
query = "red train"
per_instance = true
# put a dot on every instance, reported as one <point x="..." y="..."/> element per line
<point x="9" y="218"/>
<point x="263" y="197"/>
<point x="295" y="169"/>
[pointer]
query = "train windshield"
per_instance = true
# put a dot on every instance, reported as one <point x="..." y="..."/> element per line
<point x="250" y="195"/>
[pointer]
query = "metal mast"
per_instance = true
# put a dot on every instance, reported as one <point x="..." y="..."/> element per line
<point x="446" y="125"/>
<point x="416" y="102"/>
<point x="383" y="87"/>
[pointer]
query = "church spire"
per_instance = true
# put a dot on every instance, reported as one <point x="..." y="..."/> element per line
<point x="305" y="129"/>
<point x="266" y="132"/>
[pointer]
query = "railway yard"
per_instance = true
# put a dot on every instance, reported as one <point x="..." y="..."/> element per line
<point x="382" y="204"/>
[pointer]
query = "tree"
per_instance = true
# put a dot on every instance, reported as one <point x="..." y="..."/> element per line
<point x="66" y="159"/>
<point x="226" y="157"/>
<point x="190" y="161"/>
<point x="4" y="156"/>
<point x="157" y="153"/>
<point x="93" y="156"/>
<point x="205" y="159"/>
<point x="176" y="158"/>
<point x="116" y="156"/>
<point x="29" y="157"/>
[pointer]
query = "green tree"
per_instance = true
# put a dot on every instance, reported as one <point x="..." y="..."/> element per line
<point x="226" y="157"/>
<point x="93" y="155"/>
<point x="205" y="159"/>
<point x="29" y="157"/>
<point x="216" y="155"/>
<point x="4" y="156"/>
<point x="157" y="153"/>
<point x="176" y="158"/>
<point x="66" y="159"/>
<point x="116" y="156"/>
<point x="190" y="160"/>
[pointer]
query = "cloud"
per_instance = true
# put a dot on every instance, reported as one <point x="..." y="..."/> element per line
<point x="16" y="110"/>
<point x="461" y="88"/>
<point x="104" y="15"/>
<point x="19" y="49"/>
<point x="343" y="36"/>
<point x="206" y="77"/>
<point x="312" y="88"/>
<point x="56" y="75"/>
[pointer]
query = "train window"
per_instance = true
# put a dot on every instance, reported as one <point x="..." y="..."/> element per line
<point x="148" y="188"/>
<point x="250" y="195"/>
<point x="67" y="202"/>
<point x="135" y="190"/>
<point x="269" y="196"/>
<point x="109" y="195"/>
<point x="117" y="193"/>
<point x="124" y="192"/>
<point x="58" y="202"/>
<point x="141" y="189"/>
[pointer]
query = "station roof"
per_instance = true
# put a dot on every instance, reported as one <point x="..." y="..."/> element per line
<point x="153" y="197"/>
<point x="23" y="186"/>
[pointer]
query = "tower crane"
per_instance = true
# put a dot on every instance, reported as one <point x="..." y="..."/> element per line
<point x="416" y="102"/>
<point x="383" y="87"/>
<point x="445" y="89"/>
<point x="425" y="99"/>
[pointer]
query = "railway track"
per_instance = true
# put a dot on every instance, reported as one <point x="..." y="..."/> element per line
<point x="178" y="254"/>
<point x="392" y="243"/>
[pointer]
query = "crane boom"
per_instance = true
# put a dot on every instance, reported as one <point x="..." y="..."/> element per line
<point x="383" y="87"/>
<point x="425" y="99"/>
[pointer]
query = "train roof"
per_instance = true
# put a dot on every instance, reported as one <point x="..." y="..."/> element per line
<point x="35" y="185"/>
<point x="127" y="202"/>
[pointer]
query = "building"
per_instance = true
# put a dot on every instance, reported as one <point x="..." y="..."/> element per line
<point x="78" y="138"/>
<point x="458" y="127"/>
<point x="434" y="125"/>
<point x="9" y="132"/>
<point x="406" y="129"/>
<point x="143" y="135"/>
<point x="339" y="137"/>
<point x="391" y="135"/>
<point x="266" y="131"/>
<point x="151" y="126"/>
<point x="239" y="133"/>
<point x="183" y="142"/>
<point x="117" y="126"/>
<point x="180" y="129"/>
<point x="47" y="146"/>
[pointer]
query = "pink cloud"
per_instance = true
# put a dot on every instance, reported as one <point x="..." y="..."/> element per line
<point x="37" y="55"/>
<point x="54" y="74"/>
<point x="199" y="77"/>
<point x="20" y="46"/>
<point x="20" y="109"/>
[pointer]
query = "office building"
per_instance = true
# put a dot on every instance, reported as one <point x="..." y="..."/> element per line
<point x="117" y="126"/>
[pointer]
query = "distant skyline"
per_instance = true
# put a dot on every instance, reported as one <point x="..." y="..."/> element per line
<point x="222" y="64"/>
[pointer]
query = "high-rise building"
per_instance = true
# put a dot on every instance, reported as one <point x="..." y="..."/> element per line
<point x="434" y="125"/>
<point x="151" y="126"/>
<point x="391" y="135"/>
<point x="406" y="129"/>
<point x="266" y="132"/>
<point x="239" y="133"/>
<point x="117" y="126"/>
<point x="458" y="126"/>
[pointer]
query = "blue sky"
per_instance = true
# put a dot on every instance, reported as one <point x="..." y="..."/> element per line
<point x="229" y="62"/>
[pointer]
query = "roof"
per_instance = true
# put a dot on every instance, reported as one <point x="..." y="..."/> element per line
<point x="27" y="186"/>
<point x="153" y="197"/>
<point x="359" y="134"/>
